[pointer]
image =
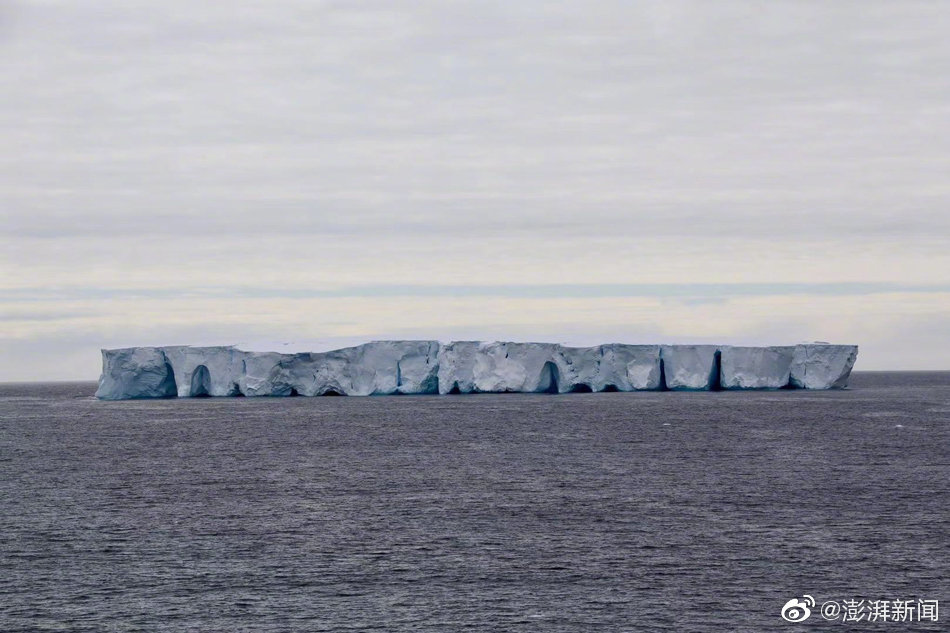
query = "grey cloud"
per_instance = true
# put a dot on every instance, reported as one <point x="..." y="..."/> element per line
<point x="655" y="117"/>
<point x="692" y="293"/>
<point x="531" y="130"/>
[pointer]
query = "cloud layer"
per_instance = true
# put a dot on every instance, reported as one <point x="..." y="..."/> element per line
<point x="326" y="172"/>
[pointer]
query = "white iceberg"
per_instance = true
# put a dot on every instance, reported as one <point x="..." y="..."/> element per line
<point x="266" y="374"/>
<point x="456" y="370"/>
<point x="135" y="372"/>
<point x="377" y="368"/>
<point x="609" y="367"/>
<point x="514" y="367"/>
<point x="691" y="367"/>
<point x="206" y="371"/>
<point x="579" y="369"/>
<point x="473" y="366"/>
<point x="755" y="367"/>
<point x="822" y="366"/>
<point x="427" y="367"/>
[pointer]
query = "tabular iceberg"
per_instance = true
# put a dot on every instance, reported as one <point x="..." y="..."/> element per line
<point x="428" y="367"/>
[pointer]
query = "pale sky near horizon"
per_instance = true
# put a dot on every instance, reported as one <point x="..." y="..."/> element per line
<point x="296" y="174"/>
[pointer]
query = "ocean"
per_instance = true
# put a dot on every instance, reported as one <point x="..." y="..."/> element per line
<point x="650" y="511"/>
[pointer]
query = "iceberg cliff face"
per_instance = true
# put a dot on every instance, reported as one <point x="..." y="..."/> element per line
<point x="611" y="367"/>
<point x="822" y="366"/>
<point x="378" y="368"/>
<point x="135" y="372"/>
<point x="691" y="367"/>
<point x="427" y="367"/>
<point x="266" y="374"/>
<point x="755" y="367"/>
<point x="514" y="367"/>
<point x="205" y="371"/>
<point x="456" y="369"/>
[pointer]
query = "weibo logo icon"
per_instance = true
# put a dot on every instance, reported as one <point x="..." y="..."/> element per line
<point x="796" y="610"/>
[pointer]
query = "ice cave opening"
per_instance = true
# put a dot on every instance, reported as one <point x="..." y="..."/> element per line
<point x="200" y="382"/>
<point x="549" y="379"/>
<point x="169" y="387"/>
<point x="715" y="378"/>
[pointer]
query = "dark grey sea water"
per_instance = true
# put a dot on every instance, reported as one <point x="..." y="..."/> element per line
<point x="581" y="512"/>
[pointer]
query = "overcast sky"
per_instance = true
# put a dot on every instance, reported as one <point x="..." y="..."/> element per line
<point x="299" y="174"/>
